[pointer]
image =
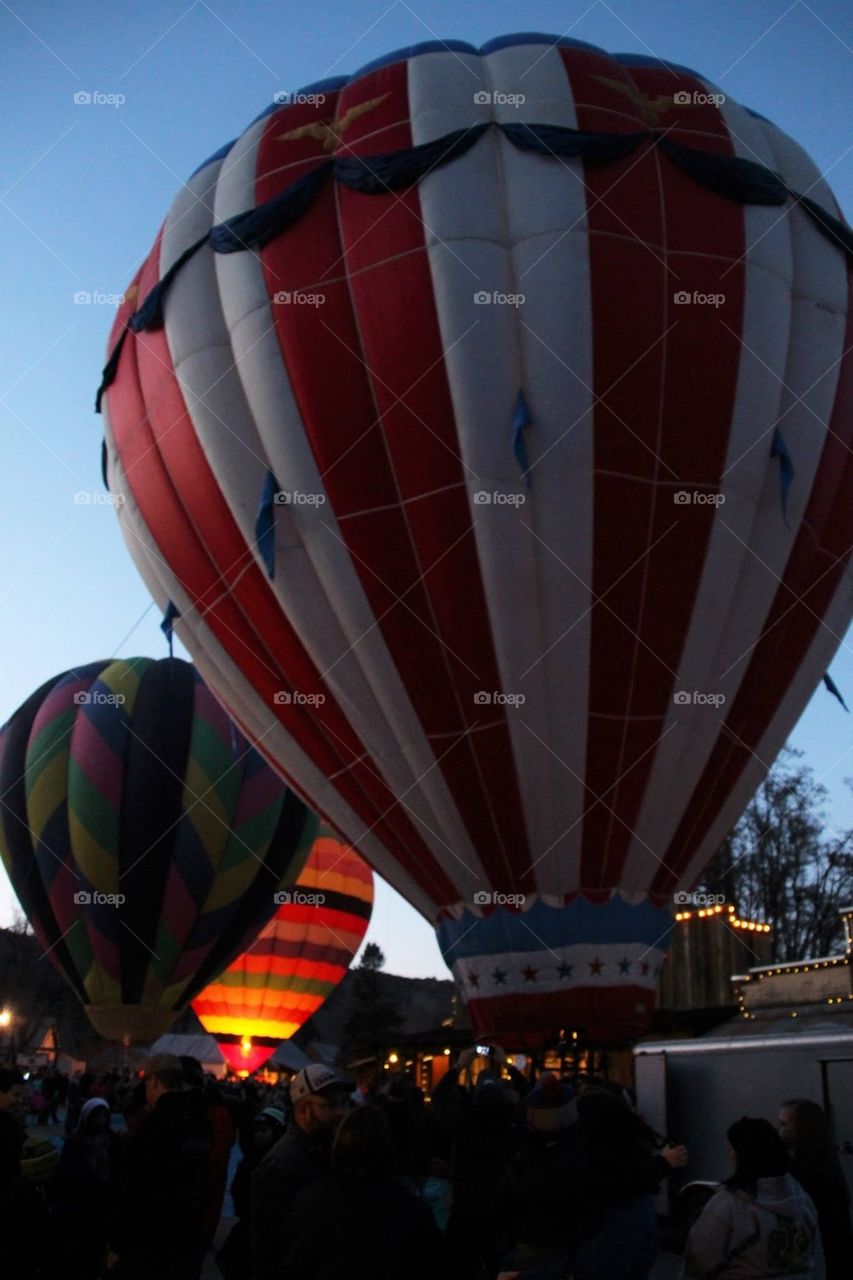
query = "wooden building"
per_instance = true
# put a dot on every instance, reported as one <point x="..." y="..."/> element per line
<point x="709" y="944"/>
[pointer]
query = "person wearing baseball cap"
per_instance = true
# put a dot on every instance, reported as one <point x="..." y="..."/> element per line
<point x="319" y="1098"/>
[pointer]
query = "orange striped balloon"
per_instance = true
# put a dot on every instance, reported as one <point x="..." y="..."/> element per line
<point x="303" y="953"/>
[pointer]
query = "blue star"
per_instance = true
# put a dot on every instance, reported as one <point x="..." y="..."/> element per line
<point x="499" y="976"/>
<point x="624" y="965"/>
<point x="565" y="970"/>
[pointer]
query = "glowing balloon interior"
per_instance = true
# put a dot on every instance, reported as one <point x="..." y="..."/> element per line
<point x="266" y="995"/>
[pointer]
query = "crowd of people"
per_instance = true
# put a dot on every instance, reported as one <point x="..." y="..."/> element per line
<point x="496" y="1178"/>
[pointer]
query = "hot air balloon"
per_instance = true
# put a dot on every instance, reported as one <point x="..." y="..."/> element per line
<point x="145" y="838"/>
<point x="483" y="422"/>
<point x="266" y="995"/>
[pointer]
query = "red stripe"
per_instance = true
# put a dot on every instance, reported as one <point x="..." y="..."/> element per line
<point x="183" y="508"/>
<point x="653" y="434"/>
<point x="600" y="1015"/>
<point x="297" y="965"/>
<point x="381" y="354"/>
<point x="331" y="856"/>
<point x="815" y="569"/>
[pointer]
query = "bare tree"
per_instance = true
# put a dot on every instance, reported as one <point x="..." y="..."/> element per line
<point x="783" y="865"/>
<point x="34" y="992"/>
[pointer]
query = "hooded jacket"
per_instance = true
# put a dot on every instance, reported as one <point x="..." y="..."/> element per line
<point x="772" y="1234"/>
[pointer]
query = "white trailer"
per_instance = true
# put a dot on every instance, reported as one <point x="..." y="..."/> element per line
<point x="692" y="1090"/>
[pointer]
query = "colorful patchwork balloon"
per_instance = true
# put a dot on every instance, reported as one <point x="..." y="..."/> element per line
<point x="145" y="838"/>
<point x="483" y="421"/>
<point x="266" y="995"/>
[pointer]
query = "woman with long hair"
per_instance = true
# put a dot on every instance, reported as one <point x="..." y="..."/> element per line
<point x="804" y="1128"/>
<point x="760" y="1224"/>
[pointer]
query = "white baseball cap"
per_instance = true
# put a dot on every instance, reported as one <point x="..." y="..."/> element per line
<point x="316" y="1079"/>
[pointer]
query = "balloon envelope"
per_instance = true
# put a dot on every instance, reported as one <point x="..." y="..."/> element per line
<point x="143" y="836"/>
<point x="486" y="418"/>
<point x="266" y="995"/>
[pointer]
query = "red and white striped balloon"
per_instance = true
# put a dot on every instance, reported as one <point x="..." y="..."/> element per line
<point x="538" y="622"/>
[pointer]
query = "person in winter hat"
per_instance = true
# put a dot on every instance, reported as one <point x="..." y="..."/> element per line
<point x="760" y="1225"/>
<point x="543" y="1200"/>
<point x="550" y="1105"/>
<point x="83" y="1193"/>
<point x="234" y="1258"/>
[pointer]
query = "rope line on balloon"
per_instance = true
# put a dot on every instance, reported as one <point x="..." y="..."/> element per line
<point x="735" y="178"/>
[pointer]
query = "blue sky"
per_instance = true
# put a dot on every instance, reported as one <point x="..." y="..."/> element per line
<point x="85" y="187"/>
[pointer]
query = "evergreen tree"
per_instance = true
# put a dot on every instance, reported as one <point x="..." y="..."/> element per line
<point x="375" y="1017"/>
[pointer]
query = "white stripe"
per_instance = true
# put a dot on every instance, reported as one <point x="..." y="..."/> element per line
<point x="794" y="327"/>
<point x="239" y="697"/>
<point x="492" y="217"/>
<point x="807" y="680"/>
<point x="315" y="582"/>
<point x="581" y="956"/>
